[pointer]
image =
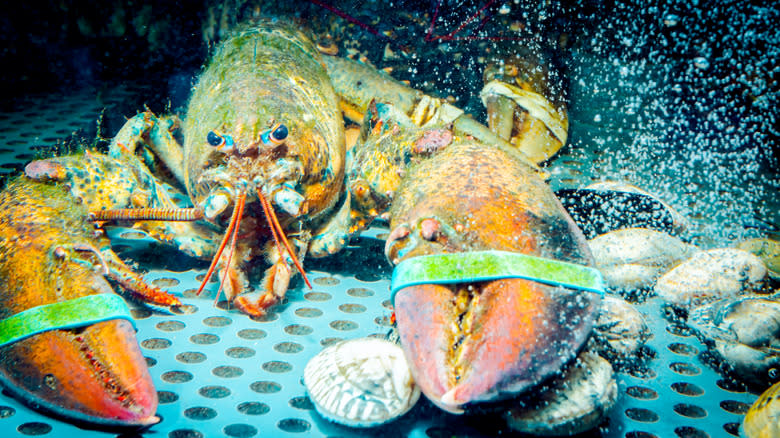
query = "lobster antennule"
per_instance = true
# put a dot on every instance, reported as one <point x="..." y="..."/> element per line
<point x="228" y="236"/>
<point x="276" y="231"/>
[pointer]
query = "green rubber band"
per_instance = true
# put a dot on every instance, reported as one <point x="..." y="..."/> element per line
<point x="69" y="314"/>
<point x="466" y="267"/>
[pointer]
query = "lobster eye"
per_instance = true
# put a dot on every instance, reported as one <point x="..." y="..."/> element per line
<point x="274" y="136"/>
<point x="280" y="133"/>
<point x="215" y="139"/>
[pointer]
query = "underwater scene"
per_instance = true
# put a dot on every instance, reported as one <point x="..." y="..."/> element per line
<point x="347" y="218"/>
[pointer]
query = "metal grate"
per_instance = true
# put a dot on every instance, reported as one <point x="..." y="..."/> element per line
<point x="220" y="373"/>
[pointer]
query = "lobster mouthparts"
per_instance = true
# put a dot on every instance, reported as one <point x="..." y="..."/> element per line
<point x="489" y="340"/>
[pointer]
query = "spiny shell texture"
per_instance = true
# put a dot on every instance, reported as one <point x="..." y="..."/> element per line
<point x="710" y="275"/>
<point x="633" y="258"/>
<point x="361" y="382"/>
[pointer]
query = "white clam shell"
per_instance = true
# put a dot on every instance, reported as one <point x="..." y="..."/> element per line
<point x="711" y="275"/>
<point x="633" y="258"/>
<point x="361" y="382"/>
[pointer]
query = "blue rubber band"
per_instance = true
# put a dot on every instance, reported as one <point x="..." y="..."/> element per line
<point x="78" y="312"/>
<point x="467" y="267"/>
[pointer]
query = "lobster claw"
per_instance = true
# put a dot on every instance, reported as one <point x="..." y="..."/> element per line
<point x="490" y="340"/>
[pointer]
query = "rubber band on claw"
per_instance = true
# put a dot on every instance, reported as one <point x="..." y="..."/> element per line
<point x="467" y="267"/>
<point x="78" y="312"/>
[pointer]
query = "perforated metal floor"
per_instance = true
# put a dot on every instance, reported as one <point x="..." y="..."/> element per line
<point x="220" y="373"/>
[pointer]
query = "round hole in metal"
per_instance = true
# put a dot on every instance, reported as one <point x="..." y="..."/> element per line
<point x="265" y="387"/>
<point x="326" y="281"/>
<point x="691" y="411"/>
<point x="185" y="433"/>
<point x="204" y="339"/>
<point x="166" y="397"/>
<point x="132" y="235"/>
<point x="295" y="425"/>
<point x="252" y="334"/>
<point x="165" y="282"/>
<point x="253" y="408"/>
<point x="6" y="411"/>
<point x="227" y="371"/>
<point x="170" y="326"/>
<point x="200" y="413"/>
<point x="642" y="373"/>
<point x="214" y="391"/>
<point x="268" y="317"/>
<point x="34" y="428"/>
<point x="343" y="325"/>
<point x="685" y="369"/>
<point x="641" y="393"/>
<point x="240" y="430"/>
<point x="217" y="321"/>
<point x="177" y="376"/>
<point x="303" y="403"/>
<point x="150" y="361"/>
<point x="368" y="276"/>
<point x="678" y="330"/>
<point x="308" y="312"/>
<point x="731" y="385"/>
<point x="200" y="278"/>
<point x="641" y="414"/>
<point x="682" y="349"/>
<point x="688" y="389"/>
<point x="383" y="321"/>
<point x="191" y="357"/>
<point x="330" y="341"/>
<point x="298" y="329"/>
<point x="352" y="308"/>
<point x="156" y="343"/>
<point x="735" y="407"/>
<point x="690" y="432"/>
<point x="277" y="366"/>
<point x="140" y="313"/>
<point x="240" y="352"/>
<point x="360" y="292"/>
<point x="288" y="347"/>
<point x="387" y="304"/>
<point x="184" y="309"/>
<point x="731" y="428"/>
<point x="640" y="434"/>
<point x="317" y="296"/>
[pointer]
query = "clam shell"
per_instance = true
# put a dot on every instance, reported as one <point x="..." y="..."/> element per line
<point x="768" y="251"/>
<point x="711" y="275"/>
<point x="576" y="402"/>
<point x="361" y="382"/>
<point x="679" y="223"/>
<point x="620" y="330"/>
<point x="744" y="332"/>
<point x="633" y="258"/>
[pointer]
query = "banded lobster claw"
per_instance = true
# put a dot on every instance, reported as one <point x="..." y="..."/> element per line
<point x="482" y="308"/>
<point x="489" y="339"/>
<point x="67" y="342"/>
